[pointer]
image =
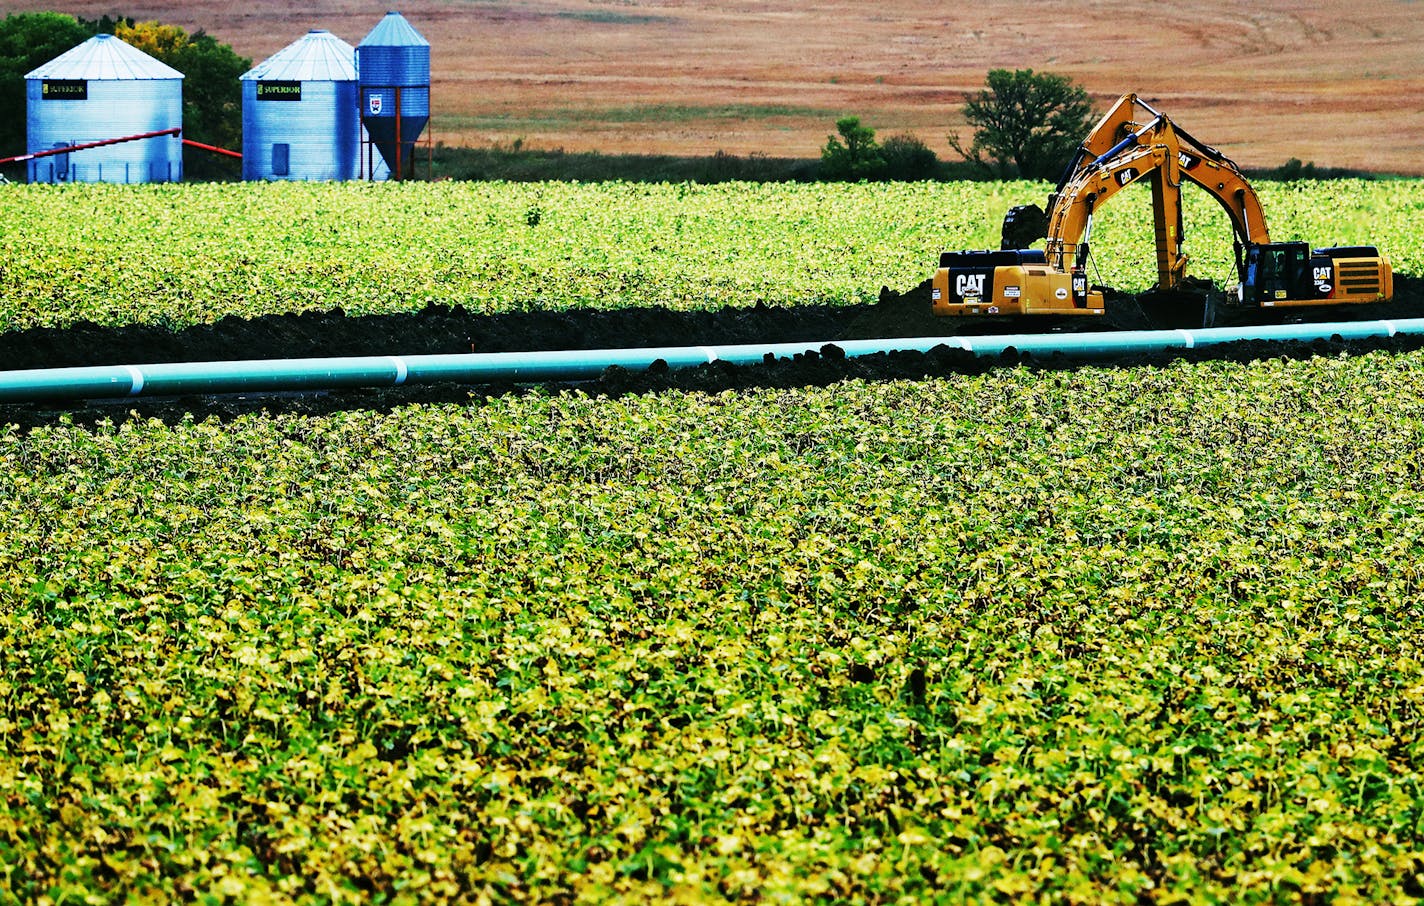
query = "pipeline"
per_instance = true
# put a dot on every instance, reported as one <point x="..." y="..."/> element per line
<point x="285" y="375"/>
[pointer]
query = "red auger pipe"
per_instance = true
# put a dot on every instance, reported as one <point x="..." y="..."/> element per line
<point x="213" y="148"/>
<point x="108" y="141"/>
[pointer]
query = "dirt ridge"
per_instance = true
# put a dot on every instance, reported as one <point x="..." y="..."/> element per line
<point x="451" y="329"/>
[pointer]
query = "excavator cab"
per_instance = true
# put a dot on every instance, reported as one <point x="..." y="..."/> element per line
<point x="1285" y="274"/>
<point x="1277" y="272"/>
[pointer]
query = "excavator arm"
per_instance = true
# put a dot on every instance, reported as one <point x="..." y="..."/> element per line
<point x="1070" y="221"/>
<point x="1120" y="121"/>
<point x="1220" y="177"/>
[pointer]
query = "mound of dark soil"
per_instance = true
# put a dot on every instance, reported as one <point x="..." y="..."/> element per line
<point x="451" y="329"/>
<point x="814" y="369"/>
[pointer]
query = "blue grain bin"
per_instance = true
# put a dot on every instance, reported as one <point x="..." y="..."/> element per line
<point x="104" y="89"/>
<point x="299" y="115"/>
<point x="393" y="63"/>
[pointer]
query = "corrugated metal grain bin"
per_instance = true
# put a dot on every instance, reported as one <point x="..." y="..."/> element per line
<point x="393" y="63"/>
<point x="104" y="89"/>
<point x="299" y="114"/>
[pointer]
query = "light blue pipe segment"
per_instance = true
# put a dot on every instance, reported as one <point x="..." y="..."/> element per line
<point x="279" y="375"/>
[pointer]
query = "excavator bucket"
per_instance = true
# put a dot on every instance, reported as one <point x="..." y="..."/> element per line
<point x="1023" y="226"/>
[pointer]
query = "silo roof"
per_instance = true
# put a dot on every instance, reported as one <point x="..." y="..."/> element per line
<point x="317" y="56"/>
<point x="394" y="31"/>
<point x="104" y="57"/>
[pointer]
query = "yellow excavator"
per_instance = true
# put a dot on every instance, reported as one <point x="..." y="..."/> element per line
<point x="1120" y="151"/>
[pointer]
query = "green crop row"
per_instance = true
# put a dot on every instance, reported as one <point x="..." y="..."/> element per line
<point x="179" y="255"/>
<point x="1093" y="636"/>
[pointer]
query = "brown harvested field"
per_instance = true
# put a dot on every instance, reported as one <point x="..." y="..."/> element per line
<point x="1334" y="83"/>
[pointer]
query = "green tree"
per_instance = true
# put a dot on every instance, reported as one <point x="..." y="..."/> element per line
<point x="854" y="155"/>
<point x="27" y="41"/>
<point x="907" y="157"/>
<point x="105" y="24"/>
<point x="212" y="95"/>
<point x="1025" y="124"/>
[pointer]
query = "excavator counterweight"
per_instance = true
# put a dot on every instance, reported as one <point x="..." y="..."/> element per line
<point x="1008" y="281"/>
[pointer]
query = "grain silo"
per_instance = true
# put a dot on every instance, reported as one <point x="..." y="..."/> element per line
<point x="99" y="91"/>
<point x="299" y="115"/>
<point x="393" y="64"/>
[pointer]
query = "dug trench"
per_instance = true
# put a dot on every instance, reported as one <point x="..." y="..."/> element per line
<point x="438" y="329"/>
